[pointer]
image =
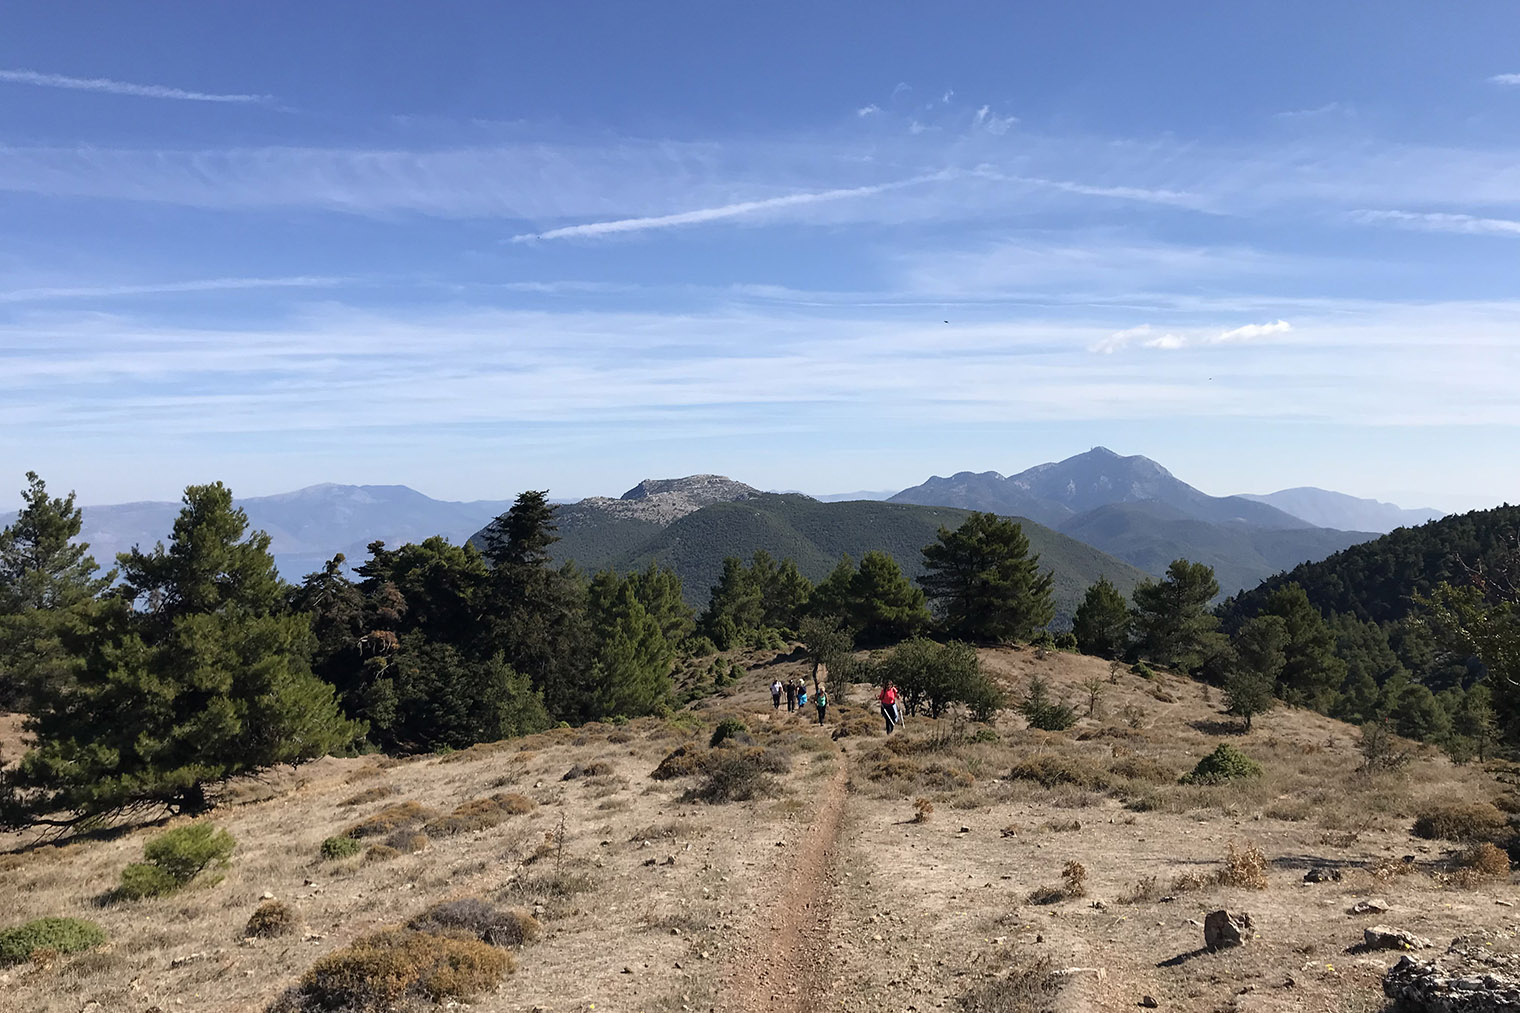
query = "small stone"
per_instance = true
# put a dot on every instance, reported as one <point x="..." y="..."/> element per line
<point x="627" y="970"/>
<point x="703" y="955"/>
<point x="1149" y="1001"/>
<point x="964" y="830"/>
<point x="1370" y="906"/>
<point x="1322" y="874"/>
<point x="675" y="932"/>
<point x="193" y="958"/>
<point x="266" y="895"/>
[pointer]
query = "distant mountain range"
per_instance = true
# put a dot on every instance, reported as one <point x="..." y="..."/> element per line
<point x="1326" y="509"/>
<point x="1093" y="514"/>
<point x="1136" y="510"/>
<point x="692" y="524"/>
<point x="306" y="527"/>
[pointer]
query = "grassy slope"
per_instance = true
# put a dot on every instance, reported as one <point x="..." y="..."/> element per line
<point x="816" y="534"/>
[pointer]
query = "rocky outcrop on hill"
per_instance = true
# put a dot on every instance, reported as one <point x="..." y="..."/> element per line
<point x="1467" y="979"/>
<point x="663" y="500"/>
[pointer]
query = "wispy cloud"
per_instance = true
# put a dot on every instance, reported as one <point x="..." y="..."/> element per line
<point x="1505" y="79"/>
<point x="110" y="87"/>
<point x="986" y="119"/>
<point x="1171" y="341"/>
<point x="1329" y="108"/>
<point x="1440" y="221"/>
<point x="26" y="295"/>
<point x="868" y="110"/>
<point x="701" y="215"/>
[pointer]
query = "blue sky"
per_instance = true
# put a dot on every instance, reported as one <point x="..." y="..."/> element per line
<point x="476" y="248"/>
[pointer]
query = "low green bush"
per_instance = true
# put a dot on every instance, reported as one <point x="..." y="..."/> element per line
<point x="174" y="858"/>
<point x="728" y="728"/>
<point x="1224" y="764"/>
<point x="65" y="935"/>
<point x="337" y="848"/>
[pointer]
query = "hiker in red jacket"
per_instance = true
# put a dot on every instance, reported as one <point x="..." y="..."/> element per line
<point x="888" y="698"/>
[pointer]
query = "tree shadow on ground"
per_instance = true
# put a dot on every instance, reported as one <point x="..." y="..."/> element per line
<point x="1183" y="958"/>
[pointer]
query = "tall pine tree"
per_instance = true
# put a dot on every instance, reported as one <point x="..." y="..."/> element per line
<point x="1102" y="622"/>
<point x="984" y="582"/>
<point x="206" y="678"/>
<point x="1172" y="618"/>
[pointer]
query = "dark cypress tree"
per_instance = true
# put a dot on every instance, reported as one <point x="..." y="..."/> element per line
<point x="1102" y="621"/>
<point x="210" y="680"/>
<point x="984" y="582"/>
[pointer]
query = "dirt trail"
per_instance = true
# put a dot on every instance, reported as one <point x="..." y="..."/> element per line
<point x="780" y="963"/>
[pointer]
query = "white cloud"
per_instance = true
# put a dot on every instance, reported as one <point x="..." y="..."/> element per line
<point x="702" y="215"/>
<point x="947" y="96"/>
<point x="986" y="119"/>
<point x="1505" y="79"/>
<point x="25" y="295"/>
<point x="108" y="86"/>
<point x="1172" y="341"/>
<point x="1325" y="110"/>
<point x="1438" y="221"/>
<point x="868" y="110"/>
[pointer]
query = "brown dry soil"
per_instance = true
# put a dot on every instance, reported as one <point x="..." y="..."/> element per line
<point x="827" y="895"/>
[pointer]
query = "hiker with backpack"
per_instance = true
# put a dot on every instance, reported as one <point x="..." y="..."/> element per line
<point x="888" y="699"/>
<point x="776" y="694"/>
<point x="822" y="701"/>
<point x="791" y="696"/>
<point x="801" y="695"/>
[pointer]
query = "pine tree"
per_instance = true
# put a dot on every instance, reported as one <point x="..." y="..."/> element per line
<point x="985" y="583"/>
<point x="633" y="658"/>
<point x="1312" y="673"/>
<point x="734" y="607"/>
<point x="659" y="591"/>
<point x="212" y="682"/>
<point x="832" y="596"/>
<point x="1102" y="621"/>
<point x="48" y="589"/>
<point x="1171" y="616"/>
<point x="884" y="607"/>
<point x="1261" y="652"/>
<point x="784" y="594"/>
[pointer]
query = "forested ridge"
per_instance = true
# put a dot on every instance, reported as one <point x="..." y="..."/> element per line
<point x="193" y="662"/>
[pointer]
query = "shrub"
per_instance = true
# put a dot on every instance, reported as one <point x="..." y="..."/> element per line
<point x="1066" y="641"/>
<point x="1142" y="768"/>
<point x="683" y="761"/>
<point x="185" y="852"/>
<point x="407" y="842"/>
<point x="1460" y="821"/>
<point x="173" y="859"/>
<point x="733" y="776"/>
<point x="1224" y="764"/>
<point x="1380" y="749"/>
<point x="1074" y="876"/>
<point x="60" y="935"/>
<point x="141" y="880"/>
<point x="728" y="728"/>
<point x="1025" y="988"/>
<point x="514" y="804"/>
<point x="393" y="817"/>
<point x="923" y="808"/>
<point x="380" y="970"/>
<point x="337" y="848"/>
<point x="374" y="794"/>
<point x="486" y="922"/>
<point x="1050" y="771"/>
<point x="467" y="818"/>
<point x="271" y="918"/>
<point x="1244" y="866"/>
<point x="984" y="734"/>
<point x="1043" y="712"/>
<point x="1482" y="861"/>
<point x="381" y="853"/>
<point x="598" y="768"/>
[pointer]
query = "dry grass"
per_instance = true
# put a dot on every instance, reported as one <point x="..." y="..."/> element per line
<point x="511" y="927"/>
<point x="368" y="795"/>
<point x="1029" y="986"/>
<point x="1479" y="864"/>
<point x="923" y="808"/>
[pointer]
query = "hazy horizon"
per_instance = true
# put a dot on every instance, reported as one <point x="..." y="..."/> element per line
<point x="485" y="248"/>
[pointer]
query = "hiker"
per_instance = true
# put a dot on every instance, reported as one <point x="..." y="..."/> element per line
<point x="897" y="705"/>
<point x="888" y="699"/>
<point x="801" y="695"/>
<point x="791" y="696"/>
<point x="823" y="703"/>
<point x="776" y="694"/>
